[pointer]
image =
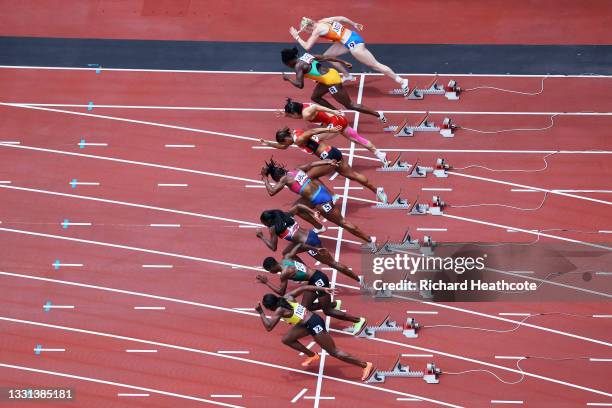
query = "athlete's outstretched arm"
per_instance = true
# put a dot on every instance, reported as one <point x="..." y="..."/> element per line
<point x="273" y="144"/>
<point x="271" y="243"/>
<point x="308" y="288"/>
<point x="299" y="77"/>
<point x="316" y="131"/>
<point x="317" y="163"/>
<point x="342" y="19"/>
<point x="319" y="108"/>
<point x="273" y="189"/>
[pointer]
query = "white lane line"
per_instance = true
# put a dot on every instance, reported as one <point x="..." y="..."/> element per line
<point x="123" y="394"/>
<point x="299" y="395"/>
<point x="139" y="122"/>
<point x="233" y="352"/>
<point x="76" y="224"/>
<point x="243" y="308"/>
<point x="407" y="399"/>
<point x="140" y="351"/>
<point x="50" y="350"/>
<point x="490" y="180"/>
<point x="421" y="312"/>
<point x="506" y="402"/>
<point x="130" y="248"/>
<point x="599" y="404"/>
<point x="318" y="397"/>
<point x="522" y="272"/>
<point x="58" y="307"/>
<point x="83" y="183"/>
<point x="67" y="265"/>
<point x="96" y="380"/>
<point x="603" y="273"/>
<point x="527" y="190"/>
<point x="172" y="185"/>
<point x="165" y="225"/>
<point x="5" y="182"/>
<point x="432" y="229"/>
<point x="514" y="314"/>
<point x="149" y="307"/>
<point x="348" y="188"/>
<point x="92" y="144"/>
<point x="497" y="151"/>
<point x="602" y="316"/>
<point x="436" y="189"/>
<point x="225" y="395"/>
<point x="128" y="204"/>
<point x="178" y="146"/>
<point x="485" y="363"/>
<point x="9" y="142"/>
<point x="510" y="357"/>
<point x="418" y="355"/>
<point x="159" y="266"/>
<point x="231" y="357"/>
<point x="605" y="231"/>
<point x="600" y="360"/>
<point x="254" y="186"/>
<point x="145" y="164"/>
<point x="532" y="232"/>
<point x="188" y="71"/>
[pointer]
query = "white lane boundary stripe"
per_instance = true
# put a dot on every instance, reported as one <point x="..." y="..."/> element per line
<point x="230" y="357"/>
<point x="114" y="159"/>
<point x="557" y="192"/>
<point x="246" y="311"/>
<point x="534" y="232"/>
<point x="472" y="360"/>
<point x="148" y="207"/>
<point x="139" y="122"/>
<point x="299" y="395"/>
<point x="367" y="74"/>
<point x="131" y="248"/>
<point x="134" y="387"/>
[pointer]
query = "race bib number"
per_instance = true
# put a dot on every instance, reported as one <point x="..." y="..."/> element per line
<point x="333" y="90"/>
<point x="327" y="207"/>
<point x="312" y="252"/>
<point x="320" y="283"/>
<point x="300" y="267"/>
<point x="336" y="28"/>
<point x="301" y="177"/>
<point x="351" y="44"/>
<point x="307" y="58"/>
<point x="299" y="311"/>
<point x="317" y="329"/>
<point x="324" y="155"/>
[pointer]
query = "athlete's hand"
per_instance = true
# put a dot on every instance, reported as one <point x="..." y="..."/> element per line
<point x="358" y="26"/>
<point x="338" y="113"/>
<point x="294" y="33"/>
<point x="286" y="77"/>
<point x="262" y="279"/>
<point x="264" y="172"/>
<point x="334" y="163"/>
<point x="336" y="129"/>
<point x="347" y="64"/>
<point x="259" y="233"/>
<point x="258" y="308"/>
<point x="280" y="113"/>
<point x="329" y="290"/>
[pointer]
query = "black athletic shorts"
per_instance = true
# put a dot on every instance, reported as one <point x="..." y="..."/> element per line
<point x="315" y="325"/>
<point x="319" y="279"/>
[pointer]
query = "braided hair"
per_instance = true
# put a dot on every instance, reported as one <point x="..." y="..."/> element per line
<point x="275" y="170"/>
<point x="293" y="107"/>
<point x="278" y="219"/>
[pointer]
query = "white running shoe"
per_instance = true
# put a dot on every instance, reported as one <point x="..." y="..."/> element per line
<point x="382" y="156"/>
<point x="382" y="117"/>
<point x="335" y="198"/>
<point x="350" y="77"/>
<point x="320" y="230"/>
<point x="405" y="87"/>
<point x="381" y="195"/>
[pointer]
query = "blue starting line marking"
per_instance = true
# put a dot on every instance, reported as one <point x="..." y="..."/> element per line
<point x="90" y="106"/>
<point x="37" y="349"/>
<point x="82" y="144"/>
<point x="97" y="66"/>
<point x="73" y="183"/>
<point x="47" y="306"/>
<point x="56" y="264"/>
<point x="65" y="223"/>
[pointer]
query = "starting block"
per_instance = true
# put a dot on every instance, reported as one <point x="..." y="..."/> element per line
<point x="397" y="203"/>
<point x="451" y="91"/>
<point x="440" y="169"/>
<point x="409" y="329"/>
<point x="423" y="125"/>
<point x="407" y="244"/>
<point x="403" y="371"/>
<point x="395" y="165"/>
<point x="435" y="208"/>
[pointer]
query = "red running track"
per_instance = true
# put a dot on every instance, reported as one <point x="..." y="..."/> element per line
<point x="201" y="290"/>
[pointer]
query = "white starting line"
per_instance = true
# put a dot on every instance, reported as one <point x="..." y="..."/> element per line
<point x="165" y="225"/>
<point x="172" y="185"/>
<point x="123" y="394"/>
<point x="506" y="402"/>
<point x="57" y="307"/>
<point x="140" y="351"/>
<point x="233" y="351"/>
<point x="225" y="396"/>
<point x="299" y="395"/>
<point x="179" y="146"/>
<point x="149" y="307"/>
<point x="158" y="266"/>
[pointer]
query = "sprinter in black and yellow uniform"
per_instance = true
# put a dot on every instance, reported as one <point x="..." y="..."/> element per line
<point x="305" y="323"/>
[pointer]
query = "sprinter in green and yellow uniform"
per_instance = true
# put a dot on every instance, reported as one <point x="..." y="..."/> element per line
<point x="305" y="323"/>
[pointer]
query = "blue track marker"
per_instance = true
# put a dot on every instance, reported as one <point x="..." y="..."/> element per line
<point x="37" y="349"/>
<point x="47" y="306"/>
<point x="82" y="144"/>
<point x="65" y="223"/>
<point x="56" y="264"/>
<point x="90" y="106"/>
<point x="73" y="183"/>
<point x="97" y="66"/>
